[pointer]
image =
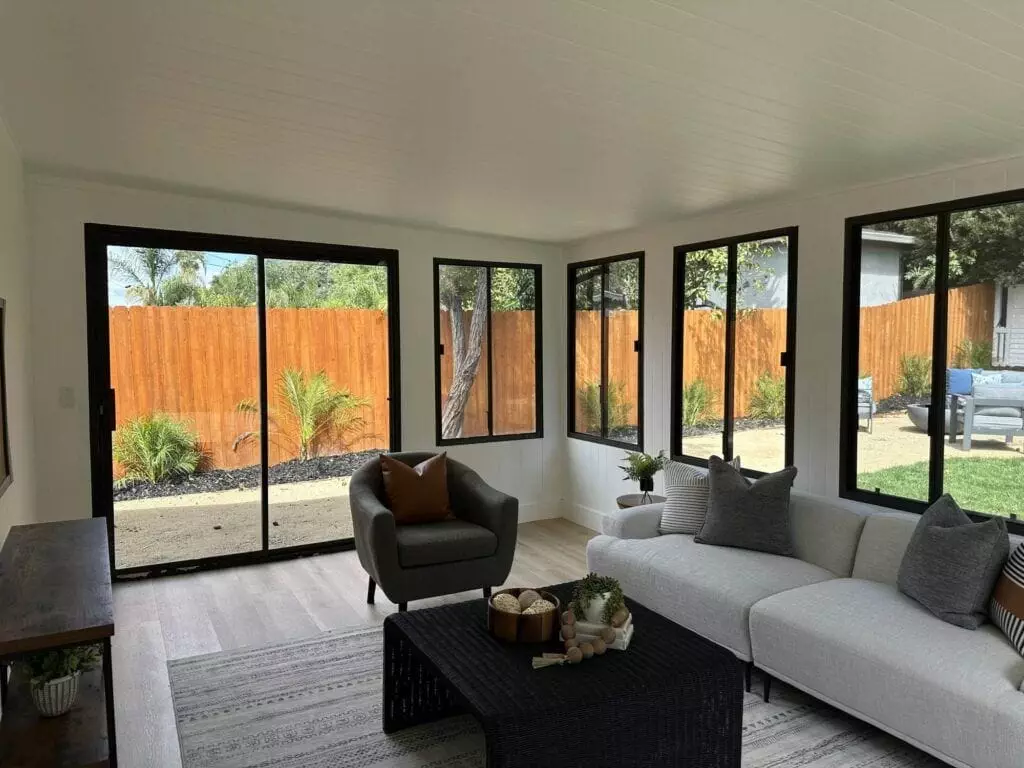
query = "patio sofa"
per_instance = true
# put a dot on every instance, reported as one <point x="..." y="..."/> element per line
<point x="831" y="622"/>
<point x="992" y="404"/>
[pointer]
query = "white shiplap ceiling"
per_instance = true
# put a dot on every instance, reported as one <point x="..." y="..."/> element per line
<point x="545" y="119"/>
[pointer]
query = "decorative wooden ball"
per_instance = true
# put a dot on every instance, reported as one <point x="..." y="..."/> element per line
<point x="574" y="655"/>
<point x="527" y="598"/>
<point x="571" y="642"/>
<point x="588" y="650"/>
<point x="506" y="602"/>
<point x="568" y="618"/>
<point x="608" y="635"/>
<point x="599" y="646"/>
<point x="619" y="617"/>
<point x="568" y="631"/>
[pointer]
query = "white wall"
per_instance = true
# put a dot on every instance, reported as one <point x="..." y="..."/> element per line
<point x="593" y="479"/>
<point x="17" y="503"/>
<point x="58" y="208"/>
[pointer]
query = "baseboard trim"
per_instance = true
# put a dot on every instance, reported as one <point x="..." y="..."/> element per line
<point x="585" y="516"/>
<point x="528" y="513"/>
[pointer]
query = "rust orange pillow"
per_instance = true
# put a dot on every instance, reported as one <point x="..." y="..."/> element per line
<point x="417" y="494"/>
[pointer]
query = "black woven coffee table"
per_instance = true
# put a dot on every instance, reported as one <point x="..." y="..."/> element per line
<point x="672" y="699"/>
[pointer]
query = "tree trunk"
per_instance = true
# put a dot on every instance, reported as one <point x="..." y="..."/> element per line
<point x="466" y="354"/>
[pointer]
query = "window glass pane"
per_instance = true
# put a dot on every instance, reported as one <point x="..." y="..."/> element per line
<point x="984" y="467"/>
<point x="587" y="376"/>
<point x="514" y="349"/>
<point x="894" y="383"/>
<point x="703" y="350"/>
<point x="462" y="291"/>
<point x="327" y="391"/>
<point x="759" y="409"/>
<point x="622" y="315"/>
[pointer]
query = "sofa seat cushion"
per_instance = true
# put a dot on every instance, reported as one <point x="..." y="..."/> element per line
<point x="444" y="542"/>
<point x="878" y="653"/>
<point x="705" y="588"/>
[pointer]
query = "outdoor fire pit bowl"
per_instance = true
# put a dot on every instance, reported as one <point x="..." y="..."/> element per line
<point x="918" y="414"/>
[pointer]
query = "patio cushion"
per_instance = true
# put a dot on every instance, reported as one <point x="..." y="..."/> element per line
<point x="959" y="381"/>
<point x="1014" y="393"/>
<point x="445" y="542"/>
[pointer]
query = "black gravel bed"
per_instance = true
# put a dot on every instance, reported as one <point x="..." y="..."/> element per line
<point x="899" y="403"/>
<point x="739" y="425"/>
<point x="245" y="478"/>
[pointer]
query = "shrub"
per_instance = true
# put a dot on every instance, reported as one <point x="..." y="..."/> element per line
<point x="915" y="375"/>
<point x="699" y="401"/>
<point x="588" y="398"/>
<point x="973" y="354"/>
<point x="156" y="447"/>
<point x="768" y="398"/>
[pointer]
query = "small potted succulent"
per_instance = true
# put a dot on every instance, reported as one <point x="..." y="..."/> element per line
<point x="642" y="467"/>
<point x="55" y="677"/>
<point x="599" y="600"/>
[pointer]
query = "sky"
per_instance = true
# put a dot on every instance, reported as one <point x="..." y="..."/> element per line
<point x="116" y="284"/>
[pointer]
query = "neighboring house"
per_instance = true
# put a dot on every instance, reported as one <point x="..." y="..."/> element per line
<point x="1008" y="342"/>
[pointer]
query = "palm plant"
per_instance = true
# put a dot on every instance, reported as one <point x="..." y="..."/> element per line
<point x="156" y="447"/>
<point x="159" y="277"/>
<point x="316" y="408"/>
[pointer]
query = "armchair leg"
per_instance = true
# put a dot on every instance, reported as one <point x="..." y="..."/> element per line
<point x="747" y="673"/>
<point x="402" y="607"/>
<point x="487" y="591"/>
<point x="767" y="685"/>
<point x="371" y="590"/>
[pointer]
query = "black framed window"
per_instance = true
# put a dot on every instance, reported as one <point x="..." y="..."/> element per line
<point x="933" y="374"/>
<point x="487" y="327"/>
<point x="733" y="349"/>
<point x="606" y="331"/>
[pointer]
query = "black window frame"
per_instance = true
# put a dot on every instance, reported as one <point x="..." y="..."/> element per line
<point x="848" y="430"/>
<point x="604" y="264"/>
<point x="788" y="360"/>
<point x="538" y="353"/>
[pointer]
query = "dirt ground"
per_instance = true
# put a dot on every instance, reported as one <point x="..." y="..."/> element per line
<point x="171" y="528"/>
<point x="892" y="442"/>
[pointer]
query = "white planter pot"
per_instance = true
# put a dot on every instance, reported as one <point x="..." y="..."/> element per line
<point x="55" y="697"/>
<point x="595" y="609"/>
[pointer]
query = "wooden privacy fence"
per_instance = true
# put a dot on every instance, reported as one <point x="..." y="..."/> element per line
<point x="889" y="332"/>
<point x="199" y="363"/>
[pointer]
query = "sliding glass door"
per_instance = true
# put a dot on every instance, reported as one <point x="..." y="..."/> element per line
<point x="235" y="385"/>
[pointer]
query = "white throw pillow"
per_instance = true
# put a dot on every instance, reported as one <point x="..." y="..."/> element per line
<point x="686" y="497"/>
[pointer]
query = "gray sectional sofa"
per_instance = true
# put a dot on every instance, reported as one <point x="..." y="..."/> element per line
<point x="830" y="621"/>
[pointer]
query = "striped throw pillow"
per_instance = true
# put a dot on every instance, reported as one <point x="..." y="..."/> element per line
<point x="686" y="497"/>
<point x="1007" y="605"/>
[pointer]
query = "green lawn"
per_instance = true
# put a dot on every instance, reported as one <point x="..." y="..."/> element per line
<point x="995" y="486"/>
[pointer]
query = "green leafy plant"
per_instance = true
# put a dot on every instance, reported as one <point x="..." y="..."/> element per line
<point x="642" y="466"/>
<point x="45" y="666"/>
<point x="592" y="587"/>
<point x="316" y="410"/>
<point x="699" y="401"/>
<point x="768" y="398"/>
<point x="589" y="398"/>
<point x="915" y="375"/>
<point x="156" y="447"/>
<point x="973" y="354"/>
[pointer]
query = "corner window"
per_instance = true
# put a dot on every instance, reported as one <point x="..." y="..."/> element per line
<point x="933" y="376"/>
<point x="606" y="350"/>
<point x="733" y="350"/>
<point x="487" y="324"/>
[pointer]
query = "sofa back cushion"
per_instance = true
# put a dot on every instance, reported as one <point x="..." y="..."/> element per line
<point x="826" y="531"/>
<point x="883" y="543"/>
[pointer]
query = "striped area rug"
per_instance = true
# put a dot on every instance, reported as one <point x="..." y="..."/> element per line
<point x="316" y="703"/>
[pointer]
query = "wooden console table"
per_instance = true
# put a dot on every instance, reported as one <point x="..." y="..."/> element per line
<point x="55" y="592"/>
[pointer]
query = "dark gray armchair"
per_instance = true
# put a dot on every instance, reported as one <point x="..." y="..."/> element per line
<point x="411" y="562"/>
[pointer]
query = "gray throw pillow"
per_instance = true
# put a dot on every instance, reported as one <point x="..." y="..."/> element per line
<point x="748" y="514"/>
<point x="952" y="563"/>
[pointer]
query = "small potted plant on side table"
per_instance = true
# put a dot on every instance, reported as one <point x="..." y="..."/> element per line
<point x="642" y="467"/>
<point x="55" y="677"/>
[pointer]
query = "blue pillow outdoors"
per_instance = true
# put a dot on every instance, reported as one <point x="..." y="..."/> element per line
<point x="959" y="381"/>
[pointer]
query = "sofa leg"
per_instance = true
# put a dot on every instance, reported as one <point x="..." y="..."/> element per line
<point x="767" y="685"/>
<point x="371" y="590"/>
<point x="487" y="591"/>
<point x="402" y="607"/>
<point x="748" y="672"/>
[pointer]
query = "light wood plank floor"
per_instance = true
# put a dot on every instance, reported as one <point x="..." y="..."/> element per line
<point x="180" y="616"/>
